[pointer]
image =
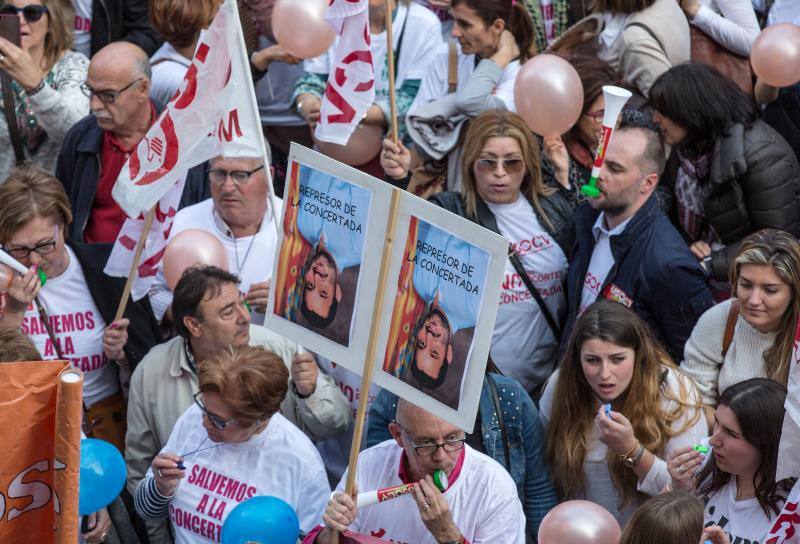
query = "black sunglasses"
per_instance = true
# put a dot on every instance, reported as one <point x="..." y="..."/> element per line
<point x="32" y="12"/>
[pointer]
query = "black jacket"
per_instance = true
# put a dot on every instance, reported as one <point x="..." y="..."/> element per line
<point x="127" y="20"/>
<point x="78" y="169"/>
<point x="654" y="274"/>
<point x="143" y="331"/>
<point x="755" y="180"/>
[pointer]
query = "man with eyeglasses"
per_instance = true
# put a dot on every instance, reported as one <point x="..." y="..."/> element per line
<point x="239" y="214"/>
<point x="480" y="503"/>
<point x="97" y="147"/>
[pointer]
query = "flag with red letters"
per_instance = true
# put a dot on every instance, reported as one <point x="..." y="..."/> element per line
<point x="351" y="82"/>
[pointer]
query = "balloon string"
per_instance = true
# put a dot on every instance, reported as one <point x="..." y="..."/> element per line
<point x="199" y="449"/>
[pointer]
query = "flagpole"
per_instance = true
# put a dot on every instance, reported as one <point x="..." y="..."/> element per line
<point x="148" y="222"/>
<point x="390" y="59"/>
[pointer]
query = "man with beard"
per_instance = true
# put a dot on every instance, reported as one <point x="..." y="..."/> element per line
<point x="627" y="250"/>
<point x="97" y="147"/>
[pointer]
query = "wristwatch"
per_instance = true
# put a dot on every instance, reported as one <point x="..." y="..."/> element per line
<point x="631" y="460"/>
<point x="460" y="540"/>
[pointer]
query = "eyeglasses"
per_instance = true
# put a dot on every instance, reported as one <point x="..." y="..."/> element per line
<point x="510" y="166"/>
<point x="239" y="177"/>
<point x="106" y="96"/>
<point x="46" y="248"/>
<point x="426" y="450"/>
<point x="597" y="116"/>
<point x="215" y="420"/>
<point x="31" y="13"/>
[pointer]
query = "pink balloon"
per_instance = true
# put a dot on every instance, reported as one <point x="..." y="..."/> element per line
<point x="6" y="275"/>
<point x="192" y="247"/>
<point x="300" y="27"/>
<point x="363" y="146"/>
<point x="775" y="55"/>
<point x="548" y="94"/>
<point x="579" y="522"/>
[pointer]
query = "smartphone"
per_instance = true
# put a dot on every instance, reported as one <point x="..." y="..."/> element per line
<point x="9" y="28"/>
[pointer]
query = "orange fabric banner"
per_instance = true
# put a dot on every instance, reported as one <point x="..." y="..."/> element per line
<point x="40" y="432"/>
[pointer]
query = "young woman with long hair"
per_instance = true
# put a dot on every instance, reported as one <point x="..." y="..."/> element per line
<point x="614" y="411"/>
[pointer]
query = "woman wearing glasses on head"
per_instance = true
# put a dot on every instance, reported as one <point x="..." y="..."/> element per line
<point x="44" y="83"/>
<point x="79" y="300"/>
<point x="231" y="445"/>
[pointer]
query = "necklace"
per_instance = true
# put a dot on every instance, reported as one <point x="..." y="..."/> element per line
<point x="198" y="450"/>
<point x="239" y="265"/>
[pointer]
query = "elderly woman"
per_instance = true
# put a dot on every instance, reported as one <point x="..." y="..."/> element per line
<point x="78" y="298"/>
<point x="233" y="432"/>
<point x="45" y="79"/>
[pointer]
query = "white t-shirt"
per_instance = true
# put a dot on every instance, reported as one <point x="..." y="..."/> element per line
<point x="483" y="500"/>
<point x="168" y="67"/>
<point x="78" y="328"/>
<point x="434" y="85"/>
<point x="279" y="461"/>
<point x="82" y="41"/>
<point x="250" y="257"/>
<point x="602" y="261"/>
<point x="549" y="18"/>
<point x="336" y="451"/>
<point x="743" y="520"/>
<point x="522" y="340"/>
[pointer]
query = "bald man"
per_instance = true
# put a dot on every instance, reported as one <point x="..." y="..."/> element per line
<point x="96" y="148"/>
<point x="480" y="504"/>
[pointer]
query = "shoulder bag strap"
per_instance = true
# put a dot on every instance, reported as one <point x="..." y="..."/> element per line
<point x="452" y="67"/>
<point x="11" y="118"/>
<point x="551" y="321"/>
<point x="649" y="31"/>
<point x="730" y="328"/>
<point x="499" y="410"/>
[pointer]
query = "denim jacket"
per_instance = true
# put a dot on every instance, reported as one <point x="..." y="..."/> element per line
<point x="525" y="439"/>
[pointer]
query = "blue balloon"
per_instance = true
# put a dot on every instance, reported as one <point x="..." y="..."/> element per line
<point x="263" y="520"/>
<point x="102" y="475"/>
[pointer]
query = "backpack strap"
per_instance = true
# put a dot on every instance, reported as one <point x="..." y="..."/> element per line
<point x="730" y="328"/>
<point x="452" y="67"/>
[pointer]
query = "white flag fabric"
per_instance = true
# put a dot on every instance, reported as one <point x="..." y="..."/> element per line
<point x="786" y="529"/>
<point x="789" y="451"/>
<point x="213" y="113"/>
<point x="351" y="82"/>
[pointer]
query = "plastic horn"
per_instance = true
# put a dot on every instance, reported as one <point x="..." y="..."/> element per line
<point x="368" y="498"/>
<point x="10" y="261"/>
<point x="615" y="99"/>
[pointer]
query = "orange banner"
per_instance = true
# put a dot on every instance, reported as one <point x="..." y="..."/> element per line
<point x="40" y="426"/>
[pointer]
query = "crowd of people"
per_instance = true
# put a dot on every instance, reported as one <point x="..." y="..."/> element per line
<point x="643" y="341"/>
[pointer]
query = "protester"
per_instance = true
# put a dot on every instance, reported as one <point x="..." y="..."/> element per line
<point x="417" y="37"/>
<point x="626" y="249"/>
<point x="507" y="429"/>
<point x="730" y="23"/>
<point x="98" y="146"/>
<point x="737" y="480"/>
<point x="512" y="201"/>
<point x="671" y="518"/>
<point x="100" y="22"/>
<point x="79" y="299"/>
<point x="753" y="334"/>
<point x="233" y="430"/>
<point x="240" y="214"/>
<point x="15" y="346"/>
<point x="615" y="409"/>
<point x="567" y="160"/>
<point x="45" y="84"/>
<point x="642" y="39"/>
<point x="730" y="173"/>
<point x="465" y="512"/>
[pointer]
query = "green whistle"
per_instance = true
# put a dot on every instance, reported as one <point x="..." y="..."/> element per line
<point x="440" y="480"/>
<point x="42" y="276"/>
<point x="701" y="448"/>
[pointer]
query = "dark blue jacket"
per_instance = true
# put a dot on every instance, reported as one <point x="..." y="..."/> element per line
<point x="654" y="274"/>
<point x="523" y="458"/>
<point x="78" y="169"/>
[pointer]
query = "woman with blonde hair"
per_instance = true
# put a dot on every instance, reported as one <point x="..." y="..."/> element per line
<point x="44" y="79"/>
<point x="752" y="334"/>
<point x="502" y="190"/>
<point x="614" y="410"/>
<point x="671" y="518"/>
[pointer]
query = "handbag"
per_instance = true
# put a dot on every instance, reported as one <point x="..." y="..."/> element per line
<point x="11" y="118"/>
<point x="729" y="64"/>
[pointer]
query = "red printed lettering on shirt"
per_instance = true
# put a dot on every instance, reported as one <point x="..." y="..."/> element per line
<point x="592" y="282"/>
<point x="82" y="24"/>
<point x="535" y="244"/>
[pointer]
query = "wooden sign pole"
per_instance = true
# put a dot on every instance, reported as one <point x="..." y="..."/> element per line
<point x="148" y="222"/>
<point x="390" y="59"/>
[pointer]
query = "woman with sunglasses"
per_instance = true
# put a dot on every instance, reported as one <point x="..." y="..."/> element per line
<point x="79" y="300"/>
<point x="502" y="190"/>
<point x="45" y="98"/>
<point x="231" y="445"/>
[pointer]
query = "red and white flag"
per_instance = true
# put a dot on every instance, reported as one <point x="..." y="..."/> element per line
<point x="351" y="82"/>
<point x="213" y="113"/>
<point x="789" y="450"/>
